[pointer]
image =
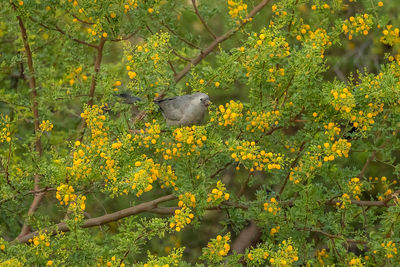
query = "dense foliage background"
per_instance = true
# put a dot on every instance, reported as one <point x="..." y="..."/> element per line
<point x="296" y="164"/>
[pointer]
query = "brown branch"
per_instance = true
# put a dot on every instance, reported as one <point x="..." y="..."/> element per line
<point x="332" y="236"/>
<point x="38" y="144"/>
<point x="202" y="20"/>
<point x="172" y="67"/>
<point x="219" y="40"/>
<point x="150" y="206"/>
<point x="179" y="55"/>
<point x="220" y="170"/>
<point x="246" y="238"/>
<point x="243" y="186"/>
<point x="125" y="37"/>
<point x="80" y="20"/>
<point x="369" y="203"/>
<point x="97" y="65"/>
<point x="364" y="168"/>
<point x="58" y="29"/>
<point x="6" y="168"/>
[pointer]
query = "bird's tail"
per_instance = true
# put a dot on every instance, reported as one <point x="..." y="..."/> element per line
<point x="128" y="97"/>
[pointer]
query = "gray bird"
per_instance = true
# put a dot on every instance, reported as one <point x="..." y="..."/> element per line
<point x="184" y="110"/>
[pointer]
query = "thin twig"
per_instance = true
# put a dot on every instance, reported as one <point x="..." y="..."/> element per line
<point x="202" y="20"/>
<point x="58" y="29"/>
<point x="294" y="162"/>
<point x="220" y="170"/>
<point x="219" y="40"/>
<point x="180" y="37"/>
<point x="332" y="236"/>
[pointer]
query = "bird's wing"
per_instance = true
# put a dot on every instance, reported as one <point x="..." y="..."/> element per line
<point x="174" y="108"/>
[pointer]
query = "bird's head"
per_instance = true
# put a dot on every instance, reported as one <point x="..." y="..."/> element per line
<point x="203" y="98"/>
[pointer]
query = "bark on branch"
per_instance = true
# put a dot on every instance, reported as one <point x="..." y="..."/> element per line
<point x="150" y="206"/>
<point x="35" y="110"/>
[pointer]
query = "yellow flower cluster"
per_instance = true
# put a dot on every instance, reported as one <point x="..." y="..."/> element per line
<point x="272" y="206"/>
<point x="258" y="255"/>
<point x="284" y="256"/>
<point x="355" y="187"/>
<point x="321" y="6"/>
<point x="251" y="157"/>
<point x="275" y="46"/>
<point x="390" y="36"/>
<point x="81" y="161"/>
<point x="356" y="262"/>
<point x="318" y="39"/>
<point x="263" y="48"/>
<point x="384" y="184"/>
<point x="238" y="10"/>
<point x="168" y="177"/>
<point x="187" y="140"/>
<point x="303" y="31"/>
<point x="305" y="168"/>
<point x="229" y="113"/>
<point x="343" y="100"/>
<point x="321" y="255"/>
<point x="5" y="134"/>
<point x="217" y="248"/>
<point x="181" y="218"/>
<point x="395" y="66"/>
<point x="149" y="136"/>
<point x="360" y="24"/>
<point x="75" y="75"/>
<point x="363" y="120"/>
<point x="130" y="5"/>
<point x="78" y="204"/>
<point x="46" y="126"/>
<point x="142" y="174"/>
<point x="65" y="194"/>
<point x="173" y="259"/>
<point x="156" y="50"/>
<point x="274" y="230"/>
<point x="146" y="172"/>
<point x="94" y="118"/>
<point x="344" y="201"/>
<point x="332" y="129"/>
<point x="188" y="200"/>
<point x="40" y="240"/>
<point x="390" y="249"/>
<point x="339" y="148"/>
<point x="261" y="121"/>
<point x="274" y="8"/>
<point x="218" y="194"/>
<point x="115" y="262"/>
